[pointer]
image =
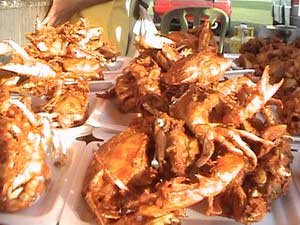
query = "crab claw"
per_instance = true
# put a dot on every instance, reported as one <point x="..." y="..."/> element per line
<point x="153" y="41"/>
<point x="180" y="192"/>
<point x="265" y="87"/>
<point x="263" y="93"/>
<point x="204" y="68"/>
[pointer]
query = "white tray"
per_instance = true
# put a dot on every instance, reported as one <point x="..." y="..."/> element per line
<point x="231" y="55"/>
<point x="106" y="115"/>
<point x="238" y="72"/>
<point x="101" y="85"/>
<point x="75" y="211"/>
<point x="84" y="129"/>
<point x="284" y="211"/>
<point x="117" y="66"/>
<point x="296" y="168"/>
<point x="48" y="209"/>
<point x="110" y="75"/>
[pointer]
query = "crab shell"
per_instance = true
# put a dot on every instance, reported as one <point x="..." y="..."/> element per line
<point x="204" y="67"/>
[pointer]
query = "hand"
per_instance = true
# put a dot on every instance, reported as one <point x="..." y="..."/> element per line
<point x="61" y="11"/>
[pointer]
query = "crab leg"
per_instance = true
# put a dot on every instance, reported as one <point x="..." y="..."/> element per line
<point x="180" y="193"/>
<point x="254" y="137"/>
<point x="201" y="129"/>
<point x="30" y="116"/>
<point x="234" y="85"/>
<point x="243" y="146"/>
<point x="208" y="148"/>
<point x="18" y="49"/>
<point x="263" y="93"/>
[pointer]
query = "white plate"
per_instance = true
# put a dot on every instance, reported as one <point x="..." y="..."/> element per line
<point x="106" y="115"/>
<point x="114" y="70"/>
<point x="117" y="66"/>
<point x="231" y="55"/>
<point x="236" y="70"/>
<point x="101" y="85"/>
<point x="284" y="211"/>
<point x="81" y="130"/>
<point x="239" y="72"/>
<point x="296" y="169"/>
<point x="75" y="211"/>
<point x="48" y="209"/>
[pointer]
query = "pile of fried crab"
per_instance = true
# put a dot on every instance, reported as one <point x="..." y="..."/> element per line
<point x="55" y="67"/>
<point x="199" y="137"/>
<point x="43" y="86"/>
<point x="283" y="60"/>
<point x="26" y="141"/>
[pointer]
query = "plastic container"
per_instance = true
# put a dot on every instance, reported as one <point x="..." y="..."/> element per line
<point x="116" y="67"/>
<point x="48" y="208"/>
<point x="238" y="72"/>
<point x="284" y="211"/>
<point x="101" y="85"/>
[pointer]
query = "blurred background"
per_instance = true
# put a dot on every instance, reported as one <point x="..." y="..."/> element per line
<point x="18" y="17"/>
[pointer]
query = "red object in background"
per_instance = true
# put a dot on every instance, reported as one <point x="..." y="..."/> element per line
<point x="163" y="6"/>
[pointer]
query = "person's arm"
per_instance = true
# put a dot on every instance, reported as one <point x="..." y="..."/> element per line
<point x="62" y="10"/>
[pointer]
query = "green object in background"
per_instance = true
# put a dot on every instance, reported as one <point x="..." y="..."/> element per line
<point x="215" y="16"/>
<point x="253" y="13"/>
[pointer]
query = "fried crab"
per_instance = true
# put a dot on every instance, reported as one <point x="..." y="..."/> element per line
<point x="283" y="60"/>
<point x="62" y="97"/>
<point x="143" y="81"/>
<point x="196" y="39"/>
<point x="24" y="142"/>
<point x="165" y="69"/>
<point x="76" y="48"/>
<point x="213" y="144"/>
<point x="290" y="112"/>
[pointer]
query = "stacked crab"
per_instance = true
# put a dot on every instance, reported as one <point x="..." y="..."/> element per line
<point x="199" y="139"/>
<point x="42" y="88"/>
<point x="76" y="48"/>
<point x="25" y="139"/>
<point x="56" y="67"/>
<point x="283" y="59"/>
<point x="150" y="78"/>
<point x="62" y="97"/>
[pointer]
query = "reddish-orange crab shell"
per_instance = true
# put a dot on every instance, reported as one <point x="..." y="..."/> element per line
<point x="203" y="67"/>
